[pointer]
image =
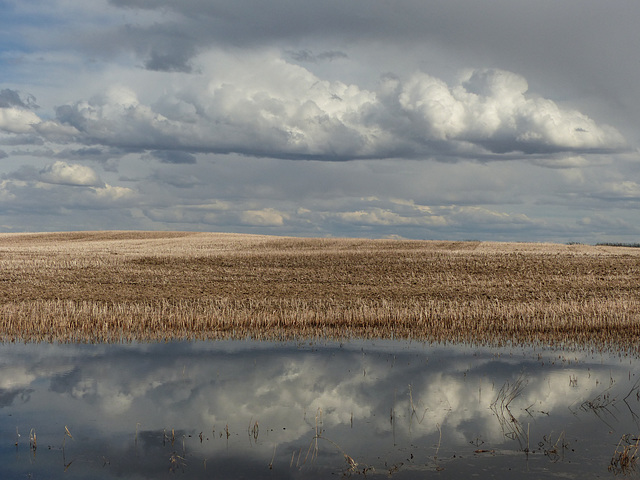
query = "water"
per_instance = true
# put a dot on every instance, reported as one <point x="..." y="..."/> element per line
<point x="298" y="410"/>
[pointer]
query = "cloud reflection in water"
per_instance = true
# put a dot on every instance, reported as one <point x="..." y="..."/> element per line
<point x="259" y="410"/>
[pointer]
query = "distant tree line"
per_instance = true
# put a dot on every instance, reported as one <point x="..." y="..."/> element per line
<point x="632" y="245"/>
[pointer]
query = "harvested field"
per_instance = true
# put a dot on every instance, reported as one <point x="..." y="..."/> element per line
<point x="123" y="286"/>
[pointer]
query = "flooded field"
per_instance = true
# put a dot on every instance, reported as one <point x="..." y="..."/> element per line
<point x="382" y="408"/>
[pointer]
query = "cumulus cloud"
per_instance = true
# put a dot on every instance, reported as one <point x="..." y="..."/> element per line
<point x="221" y="213"/>
<point x="264" y="217"/>
<point x="160" y="60"/>
<point x="401" y="214"/>
<point x="491" y="109"/>
<point x="264" y="106"/>
<point x="62" y="173"/>
<point x="111" y="193"/>
<point x="381" y="216"/>
<point x="17" y="120"/>
<point x="16" y="115"/>
<point x="58" y="189"/>
<point x="12" y="98"/>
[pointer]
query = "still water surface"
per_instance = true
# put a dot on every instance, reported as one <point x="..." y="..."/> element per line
<point x="244" y="409"/>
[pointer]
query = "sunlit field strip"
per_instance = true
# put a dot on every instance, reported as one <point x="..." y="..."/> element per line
<point x="147" y="286"/>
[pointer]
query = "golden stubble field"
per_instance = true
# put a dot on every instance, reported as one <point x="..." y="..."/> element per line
<point x="122" y="286"/>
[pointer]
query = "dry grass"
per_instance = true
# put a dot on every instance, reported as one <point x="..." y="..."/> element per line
<point x="115" y="286"/>
<point x="625" y="457"/>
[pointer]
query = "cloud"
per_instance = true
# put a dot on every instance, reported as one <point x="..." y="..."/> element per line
<point x="167" y="156"/>
<point x="569" y="162"/>
<point x="112" y="194"/>
<point x="12" y="99"/>
<point x="264" y="217"/>
<point x="160" y="60"/>
<point x="220" y="213"/>
<point x="285" y="111"/>
<point x="405" y="214"/>
<point x="178" y="180"/>
<point x="15" y="112"/>
<point x="309" y="56"/>
<point x="385" y="217"/>
<point x="619" y="190"/>
<point x="215" y="212"/>
<point x="350" y="217"/>
<point x="20" y="139"/>
<point x="17" y="120"/>
<point x="241" y="116"/>
<point x="490" y="109"/>
<point x="59" y="187"/>
<point x="604" y="223"/>
<point x="62" y="173"/>
<point x="195" y="24"/>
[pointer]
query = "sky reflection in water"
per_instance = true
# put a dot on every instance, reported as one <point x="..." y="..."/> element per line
<point x="265" y="410"/>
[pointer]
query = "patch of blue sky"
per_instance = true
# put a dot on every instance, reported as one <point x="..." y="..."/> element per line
<point x="9" y="59"/>
<point x="14" y="38"/>
<point x="25" y="31"/>
<point x="15" y="18"/>
<point x="25" y="26"/>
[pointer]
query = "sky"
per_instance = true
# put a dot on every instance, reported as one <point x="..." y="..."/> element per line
<point x="505" y="120"/>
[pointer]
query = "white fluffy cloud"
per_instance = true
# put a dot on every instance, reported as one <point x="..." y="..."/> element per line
<point x="17" y="120"/>
<point x="264" y="217"/>
<point x="62" y="173"/>
<point x="388" y="217"/>
<point x="55" y="191"/>
<point x="491" y="109"/>
<point x="407" y="214"/>
<point x="264" y="106"/>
